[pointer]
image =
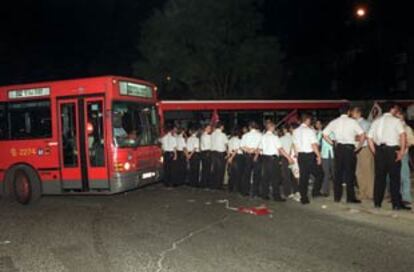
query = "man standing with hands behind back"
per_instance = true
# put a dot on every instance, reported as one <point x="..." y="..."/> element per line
<point x="309" y="158"/>
<point x="346" y="130"/>
<point x="387" y="141"/>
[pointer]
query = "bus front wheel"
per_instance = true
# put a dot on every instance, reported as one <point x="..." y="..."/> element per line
<point x="23" y="185"/>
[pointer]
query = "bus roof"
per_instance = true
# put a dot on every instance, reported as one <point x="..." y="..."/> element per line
<point x="68" y="81"/>
<point x="192" y="105"/>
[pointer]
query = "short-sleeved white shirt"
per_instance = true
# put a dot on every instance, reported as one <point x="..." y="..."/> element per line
<point x="205" y="142"/>
<point x="345" y="129"/>
<point x="287" y="142"/>
<point x="386" y="130"/>
<point x="168" y="142"/>
<point x="303" y="139"/>
<point x="234" y="145"/>
<point x="251" y="139"/>
<point x="193" y="144"/>
<point x="181" y="145"/>
<point x="219" y="141"/>
<point x="270" y="144"/>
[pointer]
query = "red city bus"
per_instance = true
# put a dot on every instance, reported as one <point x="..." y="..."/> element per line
<point x="93" y="136"/>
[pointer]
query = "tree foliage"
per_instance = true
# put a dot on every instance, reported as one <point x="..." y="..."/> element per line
<point x="211" y="49"/>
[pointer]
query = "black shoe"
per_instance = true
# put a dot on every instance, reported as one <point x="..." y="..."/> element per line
<point x="401" y="207"/>
<point x="280" y="199"/>
<point x="337" y="200"/>
<point x="325" y="195"/>
<point x="315" y="195"/>
<point x="354" y="201"/>
<point x="266" y="198"/>
<point x="304" y="201"/>
<point x="377" y="206"/>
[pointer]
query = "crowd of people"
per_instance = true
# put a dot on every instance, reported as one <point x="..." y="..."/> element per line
<point x="270" y="163"/>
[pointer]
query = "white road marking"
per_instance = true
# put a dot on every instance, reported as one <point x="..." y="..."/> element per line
<point x="176" y="243"/>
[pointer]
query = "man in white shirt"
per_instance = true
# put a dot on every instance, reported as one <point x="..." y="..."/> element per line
<point x="180" y="169"/>
<point x="250" y="147"/>
<point x="235" y="161"/>
<point x="387" y="140"/>
<point x="309" y="158"/>
<point x="205" y="148"/>
<point x="169" y="148"/>
<point x="219" y="143"/>
<point x="346" y="131"/>
<point x="271" y="149"/>
<point x="193" y="158"/>
<point x="289" y="183"/>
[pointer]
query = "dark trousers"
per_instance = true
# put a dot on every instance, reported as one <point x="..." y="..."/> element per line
<point x="235" y="173"/>
<point x="194" y="171"/>
<point x="205" y="169"/>
<point x="345" y="167"/>
<point x="308" y="166"/>
<point x="168" y="168"/>
<point x="247" y="174"/>
<point x="257" y="176"/>
<point x="271" y="176"/>
<point x="288" y="182"/>
<point x="218" y="168"/>
<point x="385" y="164"/>
<point x="180" y="169"/>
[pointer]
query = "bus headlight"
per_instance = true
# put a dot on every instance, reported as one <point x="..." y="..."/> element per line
<point x="162" y="159"/>
<point x="127" y="166"/>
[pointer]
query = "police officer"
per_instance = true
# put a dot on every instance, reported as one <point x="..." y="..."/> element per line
<point x="309" y="158"/>
<point x="250" y="147"/>
<point x="219" y="143"/>
<point x="271" y="151"/>
<point x="387" y="141"/>
<point x="193" y="158"/>
<point x="169" y="148"/>
<point x="235" y="161"/>
<point x="346" y="130"/>
<point x="205" y="147"/>
<point x="180" y="168"/>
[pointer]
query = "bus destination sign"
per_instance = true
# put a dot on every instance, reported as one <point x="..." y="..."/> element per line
<point x="134" y="89"/>
<point x="16" y="94"/>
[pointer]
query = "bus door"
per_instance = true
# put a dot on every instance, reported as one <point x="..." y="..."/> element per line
<point x="82" y="148"/>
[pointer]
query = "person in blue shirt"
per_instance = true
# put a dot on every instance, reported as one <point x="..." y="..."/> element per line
<point x="327" y="155"/>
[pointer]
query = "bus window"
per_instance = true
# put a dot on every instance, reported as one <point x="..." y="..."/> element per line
<point x="30" y="120"/>
<point x="96" y="136"/>
<point x="3" y="123"/>
<point x="134" y="124"/>
<point x="69" y="135"/>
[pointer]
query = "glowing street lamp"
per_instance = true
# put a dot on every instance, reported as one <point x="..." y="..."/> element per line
<point x="361" y="12"/>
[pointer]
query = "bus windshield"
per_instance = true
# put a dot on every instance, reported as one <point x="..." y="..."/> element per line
<point x="134" y="124"/>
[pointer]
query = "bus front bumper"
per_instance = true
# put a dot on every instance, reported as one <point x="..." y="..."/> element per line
<point x="121" y="182"/>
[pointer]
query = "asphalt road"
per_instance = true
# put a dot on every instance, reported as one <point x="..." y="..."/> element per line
<point x="156" y="229"/>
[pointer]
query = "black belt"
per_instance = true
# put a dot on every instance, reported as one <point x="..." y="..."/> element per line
<point x="388" y="146"/>
<point x="347" y="145"/>
<point x="271" y="156"/>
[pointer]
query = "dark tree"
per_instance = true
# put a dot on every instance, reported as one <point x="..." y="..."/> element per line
<point x="210" y="49"/>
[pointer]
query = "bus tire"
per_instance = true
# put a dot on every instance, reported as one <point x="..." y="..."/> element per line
<point x="23" y="185"/>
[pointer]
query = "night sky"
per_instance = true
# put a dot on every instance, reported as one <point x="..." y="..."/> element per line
<point x="49" y="39"/>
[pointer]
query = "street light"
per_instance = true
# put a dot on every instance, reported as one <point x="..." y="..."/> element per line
<point x="361" y="12"/>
